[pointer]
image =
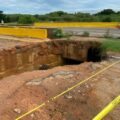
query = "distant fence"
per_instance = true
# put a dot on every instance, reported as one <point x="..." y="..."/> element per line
<point x="24" y="32"/>
<point x="78" y="24"/>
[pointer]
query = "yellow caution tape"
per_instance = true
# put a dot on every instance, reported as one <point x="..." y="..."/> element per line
<point x="108" y="109"/>
<point x="66" y="91"/>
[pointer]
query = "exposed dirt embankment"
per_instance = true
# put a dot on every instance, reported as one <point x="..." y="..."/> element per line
<point x="23" y="56"/>
<point x="18" y="56"/>
<point x="80" y="48"/>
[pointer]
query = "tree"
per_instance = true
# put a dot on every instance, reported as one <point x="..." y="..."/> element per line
<point x="106" y="12"/>
<point x="2" y="16"/>
<point x="107" y="19"/>
<point x="26" y="19"/>
<point x="106" y="15"/>
<point x="57" y="13"/>
<point x="12" y="17"/>
<point x="118" y="12"/>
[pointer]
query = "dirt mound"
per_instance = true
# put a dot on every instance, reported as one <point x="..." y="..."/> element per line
<point x="23" y="92"/>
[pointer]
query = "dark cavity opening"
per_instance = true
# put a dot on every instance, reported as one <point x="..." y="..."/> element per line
<point x="94" y="55"/>
<point x="71" y="61"/>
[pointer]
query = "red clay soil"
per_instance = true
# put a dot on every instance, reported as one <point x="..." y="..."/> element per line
<point x="21" y="93"/>
<point x="9" y="42"/>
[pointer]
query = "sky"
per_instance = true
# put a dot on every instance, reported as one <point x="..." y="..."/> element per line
<point x="46" y="6"/>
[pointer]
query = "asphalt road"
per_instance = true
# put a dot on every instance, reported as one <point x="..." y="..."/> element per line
<point x="99" y="32"/>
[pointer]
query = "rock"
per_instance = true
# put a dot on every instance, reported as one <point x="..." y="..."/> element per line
<point x="104" y="63"/>
<point x="97" y="65"/>
<point x="79" y="91"/>
<point x="93" y="66"/>
<point x="32" y="115"/>
<point x="49" y="78"/>
<point x="87" y="86"/>
<point x="17" y="110"/>
<point x="68" y="96"/>
<point x="68" y="76"/>
<point x="34" y="83"/>
<point x="59" y="76"/>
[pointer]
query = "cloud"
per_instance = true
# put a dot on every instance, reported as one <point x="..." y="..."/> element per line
<point x="45" y="6"/>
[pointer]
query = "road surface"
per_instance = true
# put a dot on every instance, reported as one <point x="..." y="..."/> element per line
<point x="99" y="32"/>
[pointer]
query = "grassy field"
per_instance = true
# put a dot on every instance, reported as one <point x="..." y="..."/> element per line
<point x="111" y="44"/>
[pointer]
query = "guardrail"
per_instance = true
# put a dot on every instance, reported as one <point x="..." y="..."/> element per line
<point x="78" y="24"/>
<point x="24" y="32"/>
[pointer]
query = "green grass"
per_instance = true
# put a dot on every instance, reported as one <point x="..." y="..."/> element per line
<point x="111" y="44"/>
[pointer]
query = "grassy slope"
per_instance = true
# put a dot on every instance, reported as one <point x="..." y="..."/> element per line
<point x="111" y="44"/>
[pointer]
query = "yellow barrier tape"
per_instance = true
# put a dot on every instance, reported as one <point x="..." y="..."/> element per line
<point x="64" y="92"/>
<point x="108" y="109"/>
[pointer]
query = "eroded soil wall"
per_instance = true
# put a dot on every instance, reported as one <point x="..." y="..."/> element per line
<point x="27" y="57"/>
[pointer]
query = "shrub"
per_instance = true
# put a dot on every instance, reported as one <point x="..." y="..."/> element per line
<point x="58" y="33"/>
<point x="107" y="19"/>
<point x="86" y="34"/>
<point x="26" y="19"/>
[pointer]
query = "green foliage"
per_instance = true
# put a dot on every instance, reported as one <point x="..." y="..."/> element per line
<point x="26" y="19"/>
<point x="107" y="19"/>
<point x="58" y="33"/>
<point x="106" y="12"/>
<point x="86" y="34"/>
<point x="2" y="16"/>
<point x="57" y="13"/>
<point x="107" y="15"/>
<point x="12" y="17"/>
<point x="111" y="44"/>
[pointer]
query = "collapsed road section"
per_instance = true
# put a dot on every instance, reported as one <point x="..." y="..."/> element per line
<point x="27" y="86"/>
<point x="26" y="54"/>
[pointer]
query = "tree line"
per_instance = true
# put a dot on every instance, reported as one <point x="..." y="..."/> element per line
<point x="106" y="15"/>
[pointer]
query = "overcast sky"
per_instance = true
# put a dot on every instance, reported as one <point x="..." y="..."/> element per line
<point x="46" y="6"/>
